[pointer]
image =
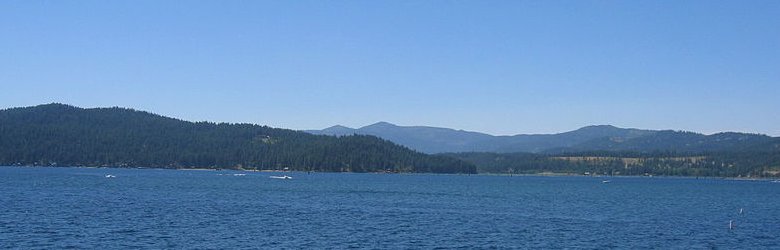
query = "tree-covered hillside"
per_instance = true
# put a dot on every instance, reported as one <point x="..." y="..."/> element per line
<point x="677" y="141"/>
<point x="62" y="135"/>
<point x="759" y="163"/>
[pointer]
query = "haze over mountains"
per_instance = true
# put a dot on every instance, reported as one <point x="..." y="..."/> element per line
<point x="590" y="138"/>
<point x="63" y="135"/>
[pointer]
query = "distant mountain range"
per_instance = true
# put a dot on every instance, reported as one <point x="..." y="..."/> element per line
<point x="64" y="135"/>
<point x="590" y="138"/>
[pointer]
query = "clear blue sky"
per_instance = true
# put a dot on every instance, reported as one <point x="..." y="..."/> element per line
<point x="501" y="67"/>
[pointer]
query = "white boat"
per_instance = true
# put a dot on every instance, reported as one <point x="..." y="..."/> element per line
<point x="285" y="177"/>
<point x="605" y="181"/>
<point x="110" y="176"/>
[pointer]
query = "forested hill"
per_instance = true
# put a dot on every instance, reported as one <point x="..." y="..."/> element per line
<point x="62" y="135"/>
<point x="722" y="164"/>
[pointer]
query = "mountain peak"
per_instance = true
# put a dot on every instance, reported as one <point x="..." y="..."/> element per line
<point x="337" y="127"/>
<point x="382" y="124"/>
<point x="599" y="131"/>
<point x="337" y="130"/>
<point x="52" y="107"/>
<point x="56" y="105"/>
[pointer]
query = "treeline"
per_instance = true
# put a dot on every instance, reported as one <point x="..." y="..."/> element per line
<point x="667" y="163"/>
<point x="62" y="135"/>
<point x="677" y="142"/>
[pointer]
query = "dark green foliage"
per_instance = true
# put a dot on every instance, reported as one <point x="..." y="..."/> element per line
<point x="756" y="163"/>
<point x="62" y="135"/>
<point x="521" y="163"/>
<point x="677" y="141"/>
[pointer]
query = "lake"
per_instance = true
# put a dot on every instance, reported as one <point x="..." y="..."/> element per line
<point x="151" y="208"/>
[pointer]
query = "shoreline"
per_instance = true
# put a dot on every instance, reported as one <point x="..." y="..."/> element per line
<point x="542" y="174"/>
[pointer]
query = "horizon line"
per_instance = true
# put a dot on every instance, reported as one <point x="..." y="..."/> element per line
<point x="390" y="123"/>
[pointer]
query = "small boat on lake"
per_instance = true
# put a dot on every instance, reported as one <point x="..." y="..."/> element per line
<point x="605" y="181"/>
<point x="110" y="176"/>
<point x="285" y="177"/>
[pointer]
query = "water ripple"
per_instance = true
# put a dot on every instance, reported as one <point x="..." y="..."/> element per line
<point x="79" y="208"/>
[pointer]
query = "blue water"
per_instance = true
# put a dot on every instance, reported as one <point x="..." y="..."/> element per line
<point x="149" y="208"/>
